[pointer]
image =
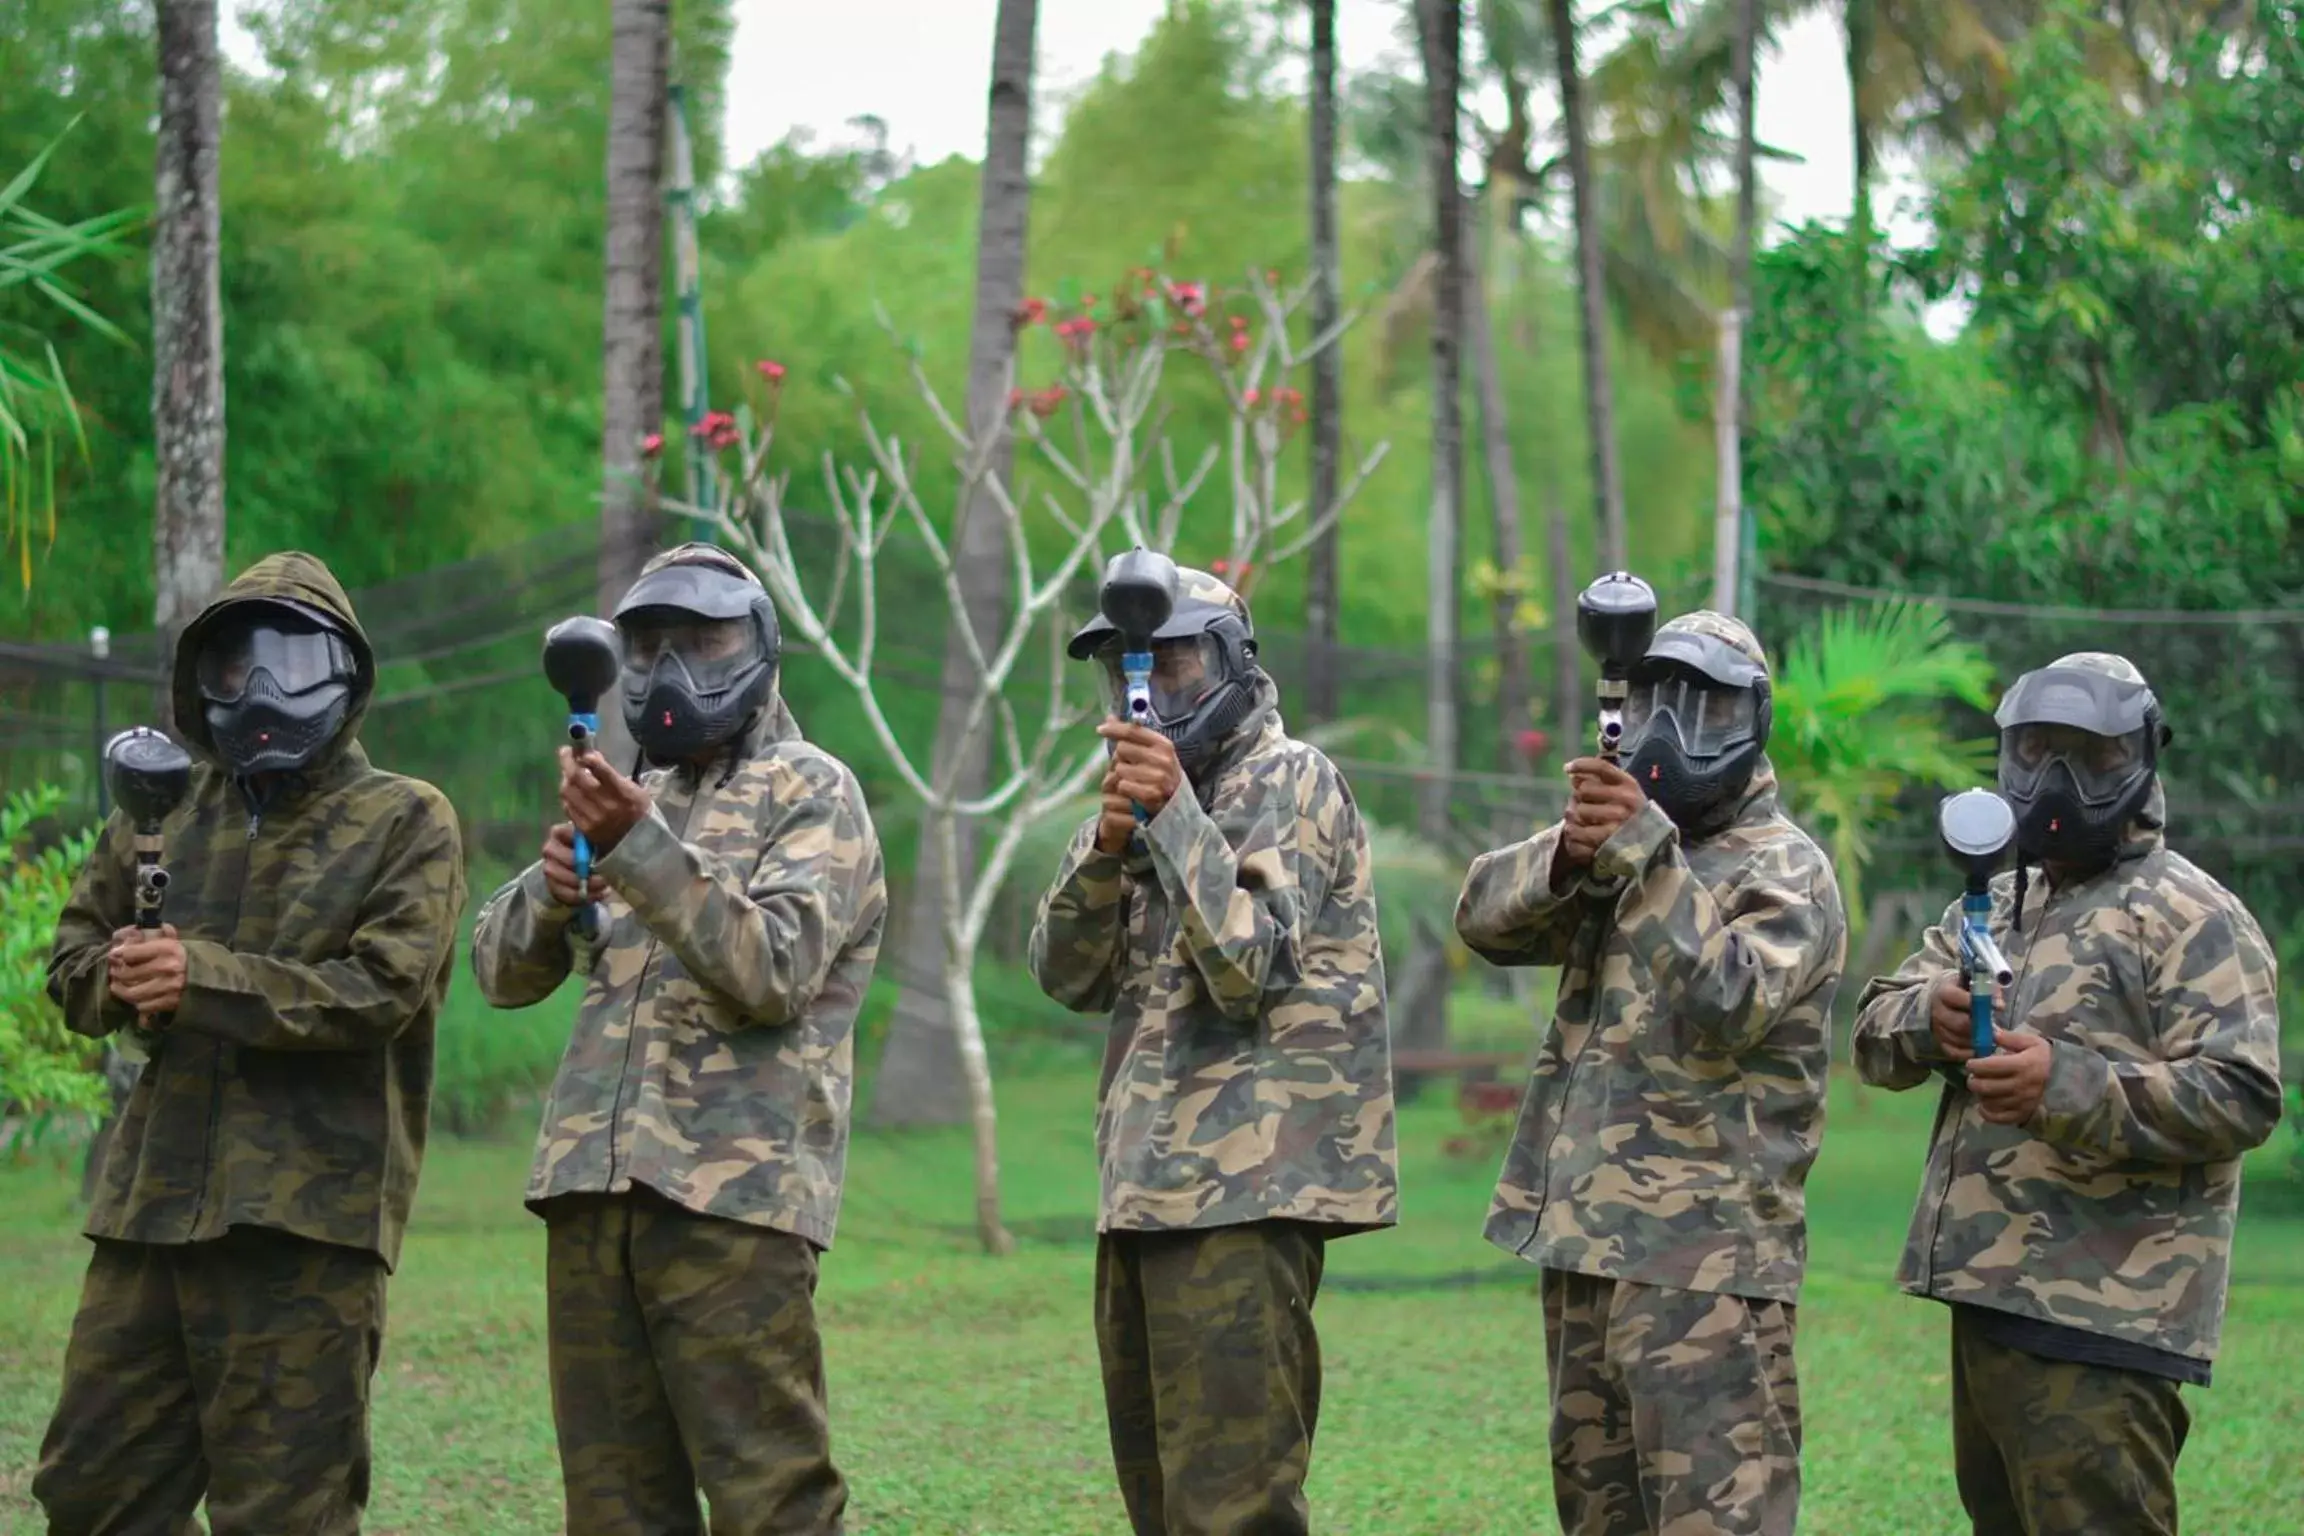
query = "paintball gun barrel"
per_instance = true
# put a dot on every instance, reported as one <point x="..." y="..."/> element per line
<point x="149" y="776"/>
<point x="581" y="659"/>
<point x="1615" y="621"/>
<point x="1138" y="595"/>
<point x="1977" y="827"/>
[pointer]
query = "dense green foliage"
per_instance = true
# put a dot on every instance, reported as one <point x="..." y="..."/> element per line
<point x="45" y="1069"/>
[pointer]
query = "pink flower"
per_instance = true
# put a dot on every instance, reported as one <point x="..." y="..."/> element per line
<point x="1251" y="398"/>
<point x="651" y="445"/>
<point x="1531" y="744"/>
<point x="1015" y="398"/>
<point x="1191" y="298"/>
<point x="773" y="372"/>
<point x="717" y="430"/>
<point x="1033" y="312"/>
<point x="1048" y="401"/>
<point x="1239" y="341"/>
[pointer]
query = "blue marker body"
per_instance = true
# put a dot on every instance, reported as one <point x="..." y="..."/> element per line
<point x="1976" y="910"/>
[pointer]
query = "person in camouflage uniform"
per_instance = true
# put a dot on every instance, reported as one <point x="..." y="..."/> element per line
<point x="253" y="1197"/>
<point x="689" y="1163"/>
<point x="1245" y="1107"/>
<point x="2083" y="1177"/>
<point x="1658" y="1168"/>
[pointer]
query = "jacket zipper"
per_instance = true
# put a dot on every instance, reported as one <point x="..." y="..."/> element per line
<point x="217" y="1048"/>
<point x="1952" y="1146"/>
<point x="639" y="999"/>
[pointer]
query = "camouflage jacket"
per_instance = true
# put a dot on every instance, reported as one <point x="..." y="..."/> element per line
<point x="1248" y="1068"/>
<point x="2111" y="1211"/>
<point x="713" y="1055"/>
<point x="293" y="1086"/>
<point x="1678" y="1096"/>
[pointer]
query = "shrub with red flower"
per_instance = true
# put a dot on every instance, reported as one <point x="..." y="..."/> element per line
<point x="717" y="431"/>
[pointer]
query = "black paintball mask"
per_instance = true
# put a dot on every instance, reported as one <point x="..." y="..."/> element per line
<point x="701" y="646"/>
<point x="1695" y="725"/>
<point x="1205" y="682"/>
<point x="276" y="682"/>
<point x="2080" y="744"/>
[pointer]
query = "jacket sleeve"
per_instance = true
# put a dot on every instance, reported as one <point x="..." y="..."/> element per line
<point x="1080" y="931"/>
<point x="520" y="949"/>
<point x="2213" y="1091"/>
<point x="402" y="945"/>
<point x="1895" y="1046"/>
<point x="1508" y="913"/>
<point x="1729" y="975"/>
<point x="102" y="901"/>
<point x="1245" y="901"/>
<point x="764" y="938"/>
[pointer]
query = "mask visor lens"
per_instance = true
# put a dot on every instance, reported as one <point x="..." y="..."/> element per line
<point x="296" y="661"/>
<point x="1709" y="718"/>
<point x="2102" y="767"/>
<point x="714" y="651"/>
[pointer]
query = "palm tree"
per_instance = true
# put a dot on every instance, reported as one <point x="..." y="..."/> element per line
<point x="632" y="352"/>
<point x="187" y="318"/>
<point x="1321" y="594"/>
<point x="36" y="398"/>
<point x="1599" y="390"/>
<point x="920" y="1080"/>
<point x="1441" y="24"/>
<point x="1860" y="715"/>
<point x="1728" y="401"/>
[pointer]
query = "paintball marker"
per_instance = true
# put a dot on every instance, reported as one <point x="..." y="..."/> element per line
<point x="1977" y="826"/>
<point x="1138" y="595"/>
<point x="581" y="659"/>
<point x="1615" y="620"/>
<point x="148" y="776"/>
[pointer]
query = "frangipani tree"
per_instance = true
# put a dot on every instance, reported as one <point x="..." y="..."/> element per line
<point x="1118" y="480"/>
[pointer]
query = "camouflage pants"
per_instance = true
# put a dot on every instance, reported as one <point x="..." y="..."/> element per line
<point x="237" y="1369"/>
<point x="1211" y="1375"/>
<point x="2051" y="1448"/>
<point x="685" y="1353"/>
<point x="1674" y="1413"/>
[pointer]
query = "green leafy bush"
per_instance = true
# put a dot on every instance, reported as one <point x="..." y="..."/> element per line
<point x="45" y="1069"/>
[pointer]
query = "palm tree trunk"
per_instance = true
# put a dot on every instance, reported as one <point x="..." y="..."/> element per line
<point x="187" y="318"/>
<point x="920" y="1079"/>
<point x="1559" y="552"/>
<point x="1322" y="594"/>
<point x="1513" y="684"/>
<point x="1599" y="389"/>
<point x="1728" y="400"/>
<point x="1425" y="1024"/>
<point x="1858" y="20"/>
<point x="639" y="73"/>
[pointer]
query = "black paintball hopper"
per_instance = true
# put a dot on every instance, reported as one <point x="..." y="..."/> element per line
<point x="148" y="774"/>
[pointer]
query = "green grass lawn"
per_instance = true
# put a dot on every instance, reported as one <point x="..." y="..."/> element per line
<point x="965" y="1393"/>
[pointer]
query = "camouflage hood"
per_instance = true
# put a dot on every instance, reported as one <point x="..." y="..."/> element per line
<point x="291" y="577"/>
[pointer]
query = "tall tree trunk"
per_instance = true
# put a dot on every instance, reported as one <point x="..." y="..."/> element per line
<point x="1424" y="1000"/>
<point x="1857" y="17"/>
<point x="632" y="321"/>
<point x="1599" y="389"/>
<point x="1322" y="586"/>
<point x="187" y="318"/>
<point x="1728" y="401"/>
<point x="1568" y="709"/>
<point x="688" y="277"/>
<point x="1513" y="684"/>
<point x="920" y="1079"/>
